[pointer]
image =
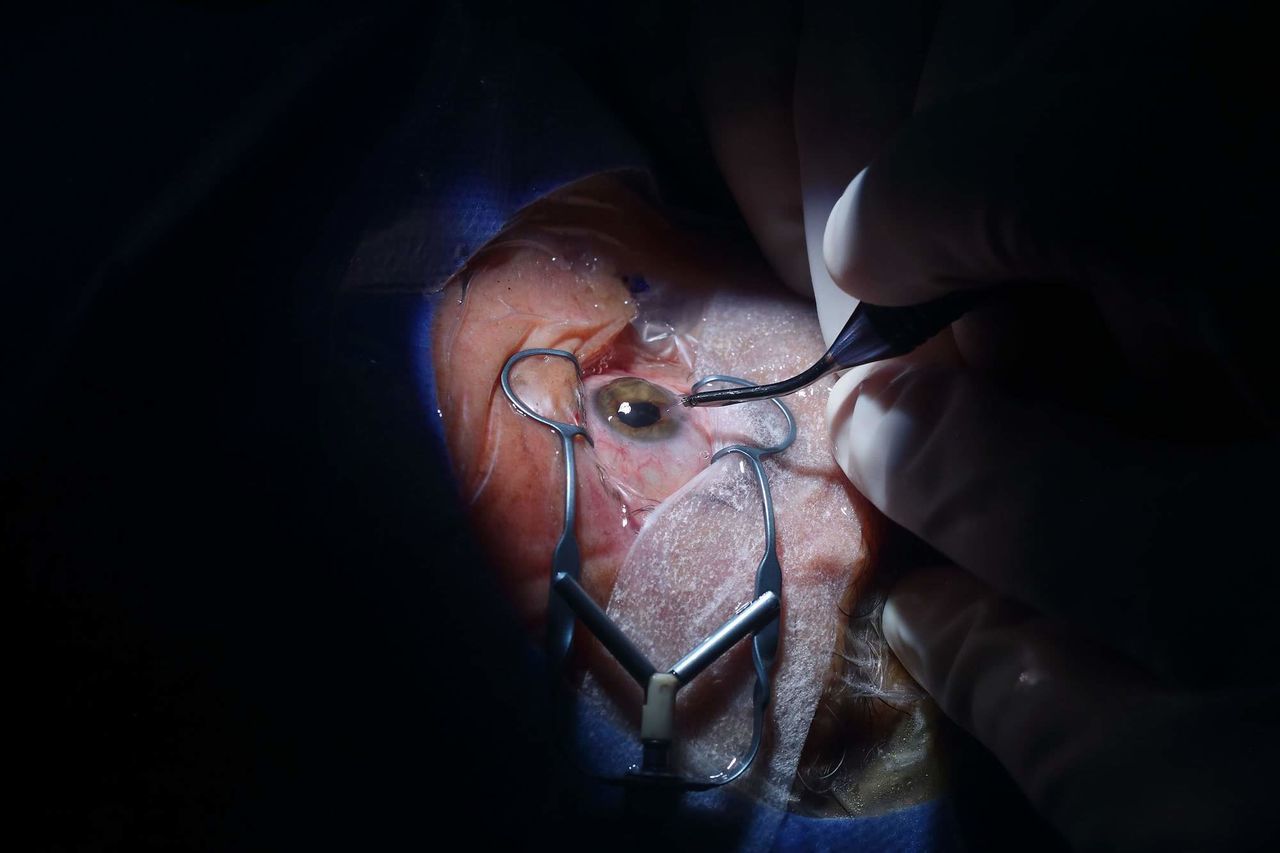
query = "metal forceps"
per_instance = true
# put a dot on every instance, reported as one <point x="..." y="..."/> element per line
<point x="567" y="600"/>
<point x="872" y="333"/>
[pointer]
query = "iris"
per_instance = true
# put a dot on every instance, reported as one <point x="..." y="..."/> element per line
<point x="637" y="409"/>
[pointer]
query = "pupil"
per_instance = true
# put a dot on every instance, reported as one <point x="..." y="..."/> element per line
<point x="638" y="414"/>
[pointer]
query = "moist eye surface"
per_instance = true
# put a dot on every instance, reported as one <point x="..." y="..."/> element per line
<point x="637" y="409"/>
<point x="638" y="414"/>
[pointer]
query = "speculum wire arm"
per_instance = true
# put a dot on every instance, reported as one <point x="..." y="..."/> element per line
<point x="759" y="618"/>
<point x="567" y="558"/>
<point x="764" y="644"/>
<point x="606" y="630"/>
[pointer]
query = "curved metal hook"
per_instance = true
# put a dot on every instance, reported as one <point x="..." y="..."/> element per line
<point x="565" y="431"/>
<point x="527" y="410"/>
<point x="567" y="558"/>
<point x="768" y="579"/>
<point x="769" y="561"/>
<point x="786" y="413"/>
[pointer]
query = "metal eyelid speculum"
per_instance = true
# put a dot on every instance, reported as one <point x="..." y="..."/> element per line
<point x="569" y="602"/>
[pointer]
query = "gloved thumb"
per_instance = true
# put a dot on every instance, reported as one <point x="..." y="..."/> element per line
<point x="1108" y="756"/>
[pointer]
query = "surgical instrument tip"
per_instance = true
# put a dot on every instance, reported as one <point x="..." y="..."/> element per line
<point x="872" y="333"/>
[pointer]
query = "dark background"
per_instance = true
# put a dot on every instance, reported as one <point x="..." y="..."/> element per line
<point x="236" y="624"/>
<point x="245" y="617"/>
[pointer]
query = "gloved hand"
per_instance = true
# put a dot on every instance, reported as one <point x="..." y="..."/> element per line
<point x="1111" y="757"/>
<point x="1089" y="455"/>
<point x="797" y="98"/>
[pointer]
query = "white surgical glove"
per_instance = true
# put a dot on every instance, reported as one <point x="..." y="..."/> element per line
<point x="1097" y="459"/>
<point x="1113" y="759"/>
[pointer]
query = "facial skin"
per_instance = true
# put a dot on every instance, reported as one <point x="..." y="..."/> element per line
<point x="669" y="543"/>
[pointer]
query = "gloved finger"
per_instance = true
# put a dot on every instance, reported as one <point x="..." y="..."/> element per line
<point x="742" y="59"/>
<point x="862" y="69"/>
<point x="972" y="40"/>
<point x="1060" y="510"/>
<point x="797" y="100"/>
<point x="1056" y="179"/>
<point x="1082" y="170"/>
<point x="857" y="68"/>
<point x="1108" y="756"/>
<point x="946" y="205"/>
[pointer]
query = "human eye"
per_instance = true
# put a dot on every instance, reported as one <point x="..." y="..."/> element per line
<point x="645" y="443"/>
<point x="637" y="409"/>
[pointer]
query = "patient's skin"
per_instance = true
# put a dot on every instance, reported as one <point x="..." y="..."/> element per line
<point x="598" y="273"/>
